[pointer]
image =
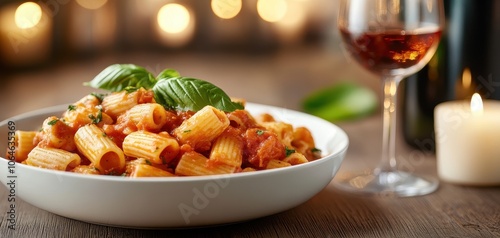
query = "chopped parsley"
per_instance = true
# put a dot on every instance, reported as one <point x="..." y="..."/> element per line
<point x="315" y="150"/>
<point x="289" y="151"/>
<point x="71" y="107"/>
<point x="186" y="131"/>
<point x="260" y="132"/>
<point x="148" y="162"/>
<point x="98" y="118"/>
<point x="99" y="96"/>
<point x="53" y="122"/>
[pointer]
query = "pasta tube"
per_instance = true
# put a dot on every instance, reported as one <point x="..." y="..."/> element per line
<point x="284" y="131"/>
<point x="200" y="129"/>
<point x="145" y="170"/>
<point x="228" y="149"/>
<point x="23" y="141"/>
<point x="295" y="158"/>
<point x="274" y="164"/>
<point x="242" y="119"/>
<point x="193" y="164"/>
<point x="55" y="134"/>
<point x="118" y="103"/>
<point x="147" y="116"/>
<point x="51" y="158"/>
<point x="157" y="148"/>
<point x="303" y="143"/>
<point x="104" y="154"/>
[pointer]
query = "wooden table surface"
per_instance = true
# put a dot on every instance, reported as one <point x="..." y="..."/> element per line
<point x="282" y="79"/>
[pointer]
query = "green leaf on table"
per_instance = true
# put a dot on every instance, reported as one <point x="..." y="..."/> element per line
<point x="343" y="101"/>
<point x="181" y="93"/>
<point x="118" y="77"/>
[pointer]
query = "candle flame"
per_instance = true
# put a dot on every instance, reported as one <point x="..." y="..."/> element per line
<point x="476" y="104"/>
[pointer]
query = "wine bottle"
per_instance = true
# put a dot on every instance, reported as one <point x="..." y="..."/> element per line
<point x="467" y="60"/>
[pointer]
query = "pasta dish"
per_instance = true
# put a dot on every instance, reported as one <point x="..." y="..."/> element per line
<point x="131" y="132"/>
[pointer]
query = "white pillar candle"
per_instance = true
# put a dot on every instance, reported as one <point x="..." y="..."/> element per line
<point x="468" y="142"/>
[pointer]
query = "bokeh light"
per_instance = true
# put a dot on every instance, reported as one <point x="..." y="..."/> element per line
<point x="91" y="4"/>
<point x="28" y="15"/>
<point x="226" y="9"/>
<point x="173" y="18"/>
<point x="272" y="10"/>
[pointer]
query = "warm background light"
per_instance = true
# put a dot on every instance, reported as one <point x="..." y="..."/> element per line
<point x="291" y="26"/>
<point x="25" y="34"/>
<point x="91" y="4"/>
<point x="466" y="78"/>
<point x="226" y="9"/>
<point x="28" y="15"/>
<point x="175" y="25"/>
<point x="272" y="10"/>
<point x="173" y="18"/>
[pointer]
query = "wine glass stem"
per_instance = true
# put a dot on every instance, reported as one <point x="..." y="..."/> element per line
<point x="388" y="161"/>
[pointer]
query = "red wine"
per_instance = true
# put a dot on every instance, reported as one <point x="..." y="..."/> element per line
<point x="391" y="50"/>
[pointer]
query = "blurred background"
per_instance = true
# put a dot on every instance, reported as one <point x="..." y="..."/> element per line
<point x="266" y="51"/>
<point x="276" y="52"/>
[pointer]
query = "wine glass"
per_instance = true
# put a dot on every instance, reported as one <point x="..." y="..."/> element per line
<point x="393" y="39"/>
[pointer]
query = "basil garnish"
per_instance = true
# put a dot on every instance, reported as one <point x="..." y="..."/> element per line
<point x="190" y="94"/>
<point x="170" y="89"/>
<point x="117" y="77"/>
<point x="168" y="73"/>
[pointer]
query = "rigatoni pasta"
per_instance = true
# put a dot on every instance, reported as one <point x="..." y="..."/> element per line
<point x="104" y="154"/>
<point x="147" y="116"/>
<point x="23" y="140"/>
<point x="157" y="148"/>
<point x="200" y="129"/>
<point x="194" y="164"/>
<point x="118" y="103"/>
<point x="130" y="134"/>
<point x="145" y="170"/>
<point x="228" y="149"/>
<point x="51" y="158"/>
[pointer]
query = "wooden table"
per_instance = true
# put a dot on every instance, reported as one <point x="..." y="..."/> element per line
<point x="282" y="79"/>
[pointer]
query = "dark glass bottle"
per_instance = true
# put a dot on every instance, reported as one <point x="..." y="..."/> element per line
<point x="466" y="61"/>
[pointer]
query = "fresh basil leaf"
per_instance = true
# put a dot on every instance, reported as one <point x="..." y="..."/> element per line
<point x="117" y="77"/>
<point x="168" y="73"/>
<point x="190" y="94"/>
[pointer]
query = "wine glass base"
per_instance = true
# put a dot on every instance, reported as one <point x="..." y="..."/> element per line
<point x="387" y="183"/>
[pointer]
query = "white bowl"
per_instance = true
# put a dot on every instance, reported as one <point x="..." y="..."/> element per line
<point x="180" y="201"/>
